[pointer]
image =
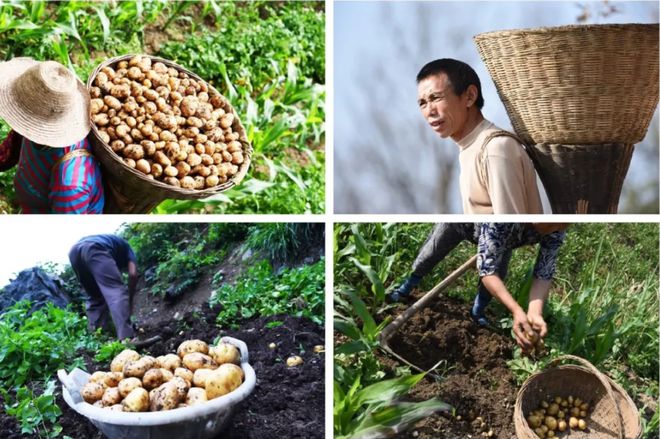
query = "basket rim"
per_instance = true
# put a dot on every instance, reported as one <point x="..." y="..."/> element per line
<point x="234" y="181"/>
<point x="568" y="28"/>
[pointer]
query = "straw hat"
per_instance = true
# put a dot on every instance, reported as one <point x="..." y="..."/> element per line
<point x="44" y="101"/>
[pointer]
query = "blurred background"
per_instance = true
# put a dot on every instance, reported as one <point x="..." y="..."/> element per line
<point x="387" y="159"/>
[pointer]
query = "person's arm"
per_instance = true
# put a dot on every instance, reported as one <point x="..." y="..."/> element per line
<point x="520" y="325"/>
<point x="537" y="297"/>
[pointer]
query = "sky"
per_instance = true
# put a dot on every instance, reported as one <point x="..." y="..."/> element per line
<point x="370" y="37"/>
<point x="29" y="240"/>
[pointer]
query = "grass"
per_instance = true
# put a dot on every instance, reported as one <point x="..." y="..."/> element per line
<point x="603" y="303"/>
<point x="267" y="58"/>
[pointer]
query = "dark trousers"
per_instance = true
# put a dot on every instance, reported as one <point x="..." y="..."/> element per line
<point x="99" y="275"/>
<point x="444" y="238"/>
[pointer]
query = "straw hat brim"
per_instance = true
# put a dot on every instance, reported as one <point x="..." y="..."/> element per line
<point x="67" y="130"/>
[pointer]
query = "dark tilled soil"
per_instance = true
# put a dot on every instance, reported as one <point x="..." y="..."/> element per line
<point x="475" y="379"/>
<point x="287" y="402"/>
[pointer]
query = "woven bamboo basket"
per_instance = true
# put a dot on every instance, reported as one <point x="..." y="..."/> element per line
<point x="130" y="191"/>
<point x="612" y="414"/>
<point x="582" y="178"/>
<point x="573" y="85"/>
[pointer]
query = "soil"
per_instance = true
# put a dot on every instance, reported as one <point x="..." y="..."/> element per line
<point x="473" y="376"/>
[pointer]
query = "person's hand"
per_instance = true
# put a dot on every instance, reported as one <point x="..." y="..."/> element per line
<point x="521" y="328"/>
<point x="537" y="323"/>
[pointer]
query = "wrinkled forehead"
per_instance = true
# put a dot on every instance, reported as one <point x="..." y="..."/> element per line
<point x="438" y="83"/>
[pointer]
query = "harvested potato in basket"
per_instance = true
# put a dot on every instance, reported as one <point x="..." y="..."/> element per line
<point x="167" y="382"/>
<point x="166" y="124"/>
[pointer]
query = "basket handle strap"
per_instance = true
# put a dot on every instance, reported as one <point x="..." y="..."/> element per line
<point x="603" y="380"/>
<point x="71" y="155"/>
<point x="482" y="170"/>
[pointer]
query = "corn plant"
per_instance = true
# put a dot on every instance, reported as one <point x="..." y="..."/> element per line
<point x="375" y="412"/>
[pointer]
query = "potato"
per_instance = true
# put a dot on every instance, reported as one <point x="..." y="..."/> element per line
<point x="156" y="170"/>
<point x="196" y="396"/>
<point x="122" y="358"/>
<point x="573" y="422"/>
<point x="127" y="385"/>
<point x="294" y="361"/>
<point x="153" y="378"/>
<point x="187" y="182"/>
<point x="140" y="367"/>
<point x="172" y="181"/>
<point x="197" y="360"/>
<point x="143" y="166"/>
<point x="116" y="408"/>
<point x="97" y="377"/>
<point x="136" y="401"/>
<point x="182" y="386"/>
<point x="561" y="425"/>
<point x="227" y="120"/>
<point x="225" y="379"/>
<point x="92" y="392"/>
<point x="169" y="362"/>
<point x="225" y="353"/>
<point x="199" y="377"/>
<point x="184" y="373"/>
<point x="190" y="346"/>
<point x="111" y="396"/>
<point x="99" y="404"/>
<point x="582" y="424"/>
<point x="112" y="379"/>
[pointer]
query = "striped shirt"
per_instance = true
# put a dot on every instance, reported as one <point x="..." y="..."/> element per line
<point x="71" y="186"/>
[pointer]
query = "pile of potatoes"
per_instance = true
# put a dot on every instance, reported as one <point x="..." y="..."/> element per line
<point x="559" y="415"/>
<point x="196" y="374"/>
<point x="166" y="124"/>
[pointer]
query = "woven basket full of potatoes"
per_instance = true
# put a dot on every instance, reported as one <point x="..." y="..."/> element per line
<point x="161" y="132"/>
<point x="190" y="393"/>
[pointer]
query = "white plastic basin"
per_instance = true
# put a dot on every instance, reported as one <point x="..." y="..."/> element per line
<point x="199" y="422"/>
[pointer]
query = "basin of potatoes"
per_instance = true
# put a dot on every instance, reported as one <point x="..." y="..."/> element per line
<point x="200" y="421"/>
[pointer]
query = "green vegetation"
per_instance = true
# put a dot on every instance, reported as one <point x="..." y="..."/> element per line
<point x="603" y="304"/>
<point x="267" y="58"/>
<point x="260" y="291"/>
<point x="285" y="241"/>
<point x="32" y="349"/>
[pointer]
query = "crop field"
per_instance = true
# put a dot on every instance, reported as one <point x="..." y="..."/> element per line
<point x="266" y="58"/>
<point x="260" y="283"/>
<point x="602" y="307"/>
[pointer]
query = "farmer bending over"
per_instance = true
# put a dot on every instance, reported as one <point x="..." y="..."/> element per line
<point x="47" y="108"/>
<point x="496" y="174"/>
<point x="495" y="241"/>
<point x="98" y="261"/>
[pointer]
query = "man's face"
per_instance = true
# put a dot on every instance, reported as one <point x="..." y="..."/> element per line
<point x="446" y="112"/>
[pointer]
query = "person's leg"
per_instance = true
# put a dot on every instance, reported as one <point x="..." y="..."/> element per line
<point x="443" y="239"/>
<point x="109" y="279"/>
<point x="95" y="307"/>
<point x="484" y="297"/>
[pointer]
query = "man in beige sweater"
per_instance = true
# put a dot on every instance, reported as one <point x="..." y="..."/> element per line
<point x="497" y="175"/>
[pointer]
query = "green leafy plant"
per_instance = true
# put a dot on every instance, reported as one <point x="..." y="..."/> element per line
<point x="37" y="415"/>
<point x="293" y="291"/>
<point x="373" y="411"/>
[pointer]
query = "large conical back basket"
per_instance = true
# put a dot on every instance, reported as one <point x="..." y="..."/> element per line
<point x="580" y="97"/>
<point x="130" y="191"/>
